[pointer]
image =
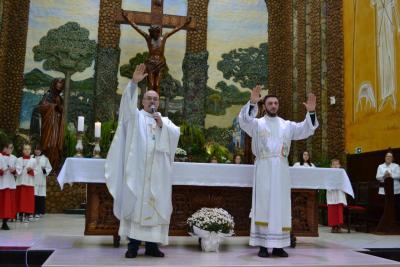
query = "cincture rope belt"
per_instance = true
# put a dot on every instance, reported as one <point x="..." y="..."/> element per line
<point x="266" y="156"/>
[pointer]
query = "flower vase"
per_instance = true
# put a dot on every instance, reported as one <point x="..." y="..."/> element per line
<point x="210" y="243"/>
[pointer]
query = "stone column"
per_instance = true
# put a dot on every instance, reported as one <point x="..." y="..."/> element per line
<point x="13" y="34"/>
<point x="315" y="86"/>
<point x="280" y="53"/>
<point x="107" y="61"/>
<point x="335" y="78"/>
<point x="195" y="66"/>
<point x="299" y="69"/>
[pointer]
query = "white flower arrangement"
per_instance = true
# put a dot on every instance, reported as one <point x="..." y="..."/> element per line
<point x="211" y="226"/>
<point x="180" y="152"/>
<point x="213" y="220"/>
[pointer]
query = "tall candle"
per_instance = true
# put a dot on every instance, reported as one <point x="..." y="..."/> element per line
<point x="81" y="123"/>
<point x="97" y="129"/>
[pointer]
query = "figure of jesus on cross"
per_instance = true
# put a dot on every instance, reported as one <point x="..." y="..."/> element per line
<point x="155" y="39"/>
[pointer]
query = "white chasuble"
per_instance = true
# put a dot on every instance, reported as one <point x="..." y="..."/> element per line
<point x="271" y="218"/>
<point x="138" y="171"/>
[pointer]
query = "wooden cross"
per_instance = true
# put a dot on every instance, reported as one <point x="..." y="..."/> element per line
<point x="156" y="62"/>
<point x="155" y="17"/>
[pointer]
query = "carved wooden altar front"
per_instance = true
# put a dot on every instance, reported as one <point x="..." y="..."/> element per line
<point x="188" y="199"/>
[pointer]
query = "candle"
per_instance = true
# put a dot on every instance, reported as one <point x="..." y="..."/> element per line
<point x="97" y="129"/>
<point x="81" y="123"/>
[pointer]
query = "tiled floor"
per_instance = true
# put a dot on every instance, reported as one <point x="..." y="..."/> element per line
<point x="64" y="234"/>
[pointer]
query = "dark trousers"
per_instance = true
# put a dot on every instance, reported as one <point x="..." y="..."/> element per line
<point x="397" y="204"/>
<point x="134" y="244"/>
<point x="40" y="204"/>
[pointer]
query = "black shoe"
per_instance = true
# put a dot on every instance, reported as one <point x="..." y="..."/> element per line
<point x="4" y="226"/>
<point x="154" y="253"/>
<point x="263" y="253"/>
<point x="279" y="252"/>
<point x="130" y="254"/>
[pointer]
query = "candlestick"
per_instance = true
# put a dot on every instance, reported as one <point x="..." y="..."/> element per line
<point x="79" y="144"/>
<point x="96" y="150"/>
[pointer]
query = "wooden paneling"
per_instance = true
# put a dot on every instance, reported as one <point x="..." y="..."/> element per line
<point x="188" y="199"/>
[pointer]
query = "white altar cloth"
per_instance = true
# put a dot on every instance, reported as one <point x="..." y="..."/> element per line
<point x="89" y="170"/>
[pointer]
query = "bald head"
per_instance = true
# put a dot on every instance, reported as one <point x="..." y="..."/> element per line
<point x="150" y="98"/>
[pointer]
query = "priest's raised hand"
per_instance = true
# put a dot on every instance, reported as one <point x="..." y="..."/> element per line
<point x="256" y="94"/>
<point x="311" y="102"/>
<point x="139" y="74"/>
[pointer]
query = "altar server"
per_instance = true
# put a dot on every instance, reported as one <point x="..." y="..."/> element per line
<point x="43" y="169"/>
<point x="336" y="200"/>
<point x="138" y="169"/>
<point x="7" y="184"/>
<point x="25" y="195"/>
<point x="271" y="219"/>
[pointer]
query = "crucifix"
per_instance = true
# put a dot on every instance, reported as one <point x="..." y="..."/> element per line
<point x="155" y="39"/>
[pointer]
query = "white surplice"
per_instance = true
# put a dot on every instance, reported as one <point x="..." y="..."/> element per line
<point x="138" y="171"/>
<point x="271" y="217"/>
<point x="8" y="179"/>
<point x="21" y="166"/>
<point x="42" y="163"/>
<point x="394" y="170"/>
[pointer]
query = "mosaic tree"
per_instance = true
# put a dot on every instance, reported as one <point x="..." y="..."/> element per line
<point x="68" y="50"/>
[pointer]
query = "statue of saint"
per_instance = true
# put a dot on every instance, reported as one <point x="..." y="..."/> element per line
<point x="47" y="123"/>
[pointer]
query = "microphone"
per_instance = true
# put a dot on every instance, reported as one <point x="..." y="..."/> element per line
<point x="153" y="109"/>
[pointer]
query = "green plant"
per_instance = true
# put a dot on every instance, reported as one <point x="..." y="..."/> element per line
<point x="108" y="129"/>
<point x="192" y="140"/>
<point x="220" y="152"/>
<point x="322" y="161"/>
<point x="222" y="136"/>
<point x="69" y="141"/>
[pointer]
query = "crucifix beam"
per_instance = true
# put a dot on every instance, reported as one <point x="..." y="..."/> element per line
<point x="155" y="39"/>
<point x="146" y="19"/>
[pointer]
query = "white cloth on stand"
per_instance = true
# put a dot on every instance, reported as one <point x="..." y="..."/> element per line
<point x="90" y="170"/>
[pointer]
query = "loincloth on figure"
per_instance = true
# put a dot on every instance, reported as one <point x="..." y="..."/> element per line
<point x="155" y="64"/>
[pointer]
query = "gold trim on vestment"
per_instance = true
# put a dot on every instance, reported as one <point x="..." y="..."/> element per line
<point x="265" y="224"/>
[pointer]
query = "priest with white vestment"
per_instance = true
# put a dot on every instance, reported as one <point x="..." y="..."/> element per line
<point x="138" y="169"/>
<point x="271" y="217"/>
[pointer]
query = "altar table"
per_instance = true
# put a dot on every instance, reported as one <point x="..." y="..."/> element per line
<point x="197" y="185"/>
